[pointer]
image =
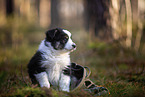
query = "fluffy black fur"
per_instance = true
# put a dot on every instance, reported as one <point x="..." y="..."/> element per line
<point x="34" y="66"/>
<point x="57" y="38"/>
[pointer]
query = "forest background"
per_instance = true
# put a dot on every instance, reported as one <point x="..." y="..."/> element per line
<point x="110" y="38"/>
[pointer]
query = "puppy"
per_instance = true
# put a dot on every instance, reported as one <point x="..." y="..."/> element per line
<point x="46" y="66"/>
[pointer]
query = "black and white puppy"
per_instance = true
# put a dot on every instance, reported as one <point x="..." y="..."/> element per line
<point x="46" y="66"/>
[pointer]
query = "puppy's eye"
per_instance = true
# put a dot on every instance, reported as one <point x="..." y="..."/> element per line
<point x="65" y="39"/>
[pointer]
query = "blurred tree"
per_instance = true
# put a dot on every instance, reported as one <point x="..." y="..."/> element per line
<point x="140" y="14"/>
<point x="129" y="23"/>
<point x="54" y="13"/>
<point x="114" y="18"/>
<point x="44" y="13"/>
<point x="97" y="20"/>
<point x="9" y="7"/>
<point x="9" y="11"/>
<point x="122" y="20"/>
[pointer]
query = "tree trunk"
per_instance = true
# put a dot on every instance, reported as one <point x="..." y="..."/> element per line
<point x="54" y="13"/>
<point x="141" y="10"/>
<point x="44" y="13"/>
<point x="114" y="18"/>
<point x="129" y="23"/>
<point x="9" y="7"/>
<point x="97" y="18"/>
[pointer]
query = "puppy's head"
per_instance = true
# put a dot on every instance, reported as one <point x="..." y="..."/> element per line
<point x="60" y="39"/>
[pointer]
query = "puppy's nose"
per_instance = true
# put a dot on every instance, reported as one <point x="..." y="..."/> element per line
<point x="74" y="45"/>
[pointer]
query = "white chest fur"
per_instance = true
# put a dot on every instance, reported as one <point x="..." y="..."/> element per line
<point x="54" y="61"/>
<point x="54" y="66"/>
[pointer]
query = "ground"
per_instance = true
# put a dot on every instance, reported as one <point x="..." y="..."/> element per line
<point x="113" y="66"/>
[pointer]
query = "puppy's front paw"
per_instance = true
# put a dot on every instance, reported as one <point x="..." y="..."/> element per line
<point x="45" y="85"/>
<point x="66" y="90"/>
<point x="66" y="70"/>
<point x="69" y="70"/>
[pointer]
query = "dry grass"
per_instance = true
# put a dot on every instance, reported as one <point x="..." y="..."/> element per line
<point x="119" y="69"/>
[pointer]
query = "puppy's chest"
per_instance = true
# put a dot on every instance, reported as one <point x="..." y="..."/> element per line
<point x="54" y="67"/>
<point x="60" y="62"/>
<point x="55" y="63"/>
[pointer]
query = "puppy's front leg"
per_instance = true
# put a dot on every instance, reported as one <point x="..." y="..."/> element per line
<point x="64" y="83"/>
<point x="42" y="78"/>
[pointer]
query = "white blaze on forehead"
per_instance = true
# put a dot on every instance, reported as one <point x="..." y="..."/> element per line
<point x="67" y="32"/>
<point x="68" y="45"/>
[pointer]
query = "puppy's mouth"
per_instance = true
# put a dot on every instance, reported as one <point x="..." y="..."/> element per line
<point x="70" y="50"/>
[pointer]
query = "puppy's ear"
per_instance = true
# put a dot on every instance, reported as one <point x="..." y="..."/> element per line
<point x="50" y="34"/>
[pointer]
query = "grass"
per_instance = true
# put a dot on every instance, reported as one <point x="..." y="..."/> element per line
<point x="119" y="69"/>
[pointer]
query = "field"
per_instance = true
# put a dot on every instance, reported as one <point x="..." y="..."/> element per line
<point x="114" y="66"/>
